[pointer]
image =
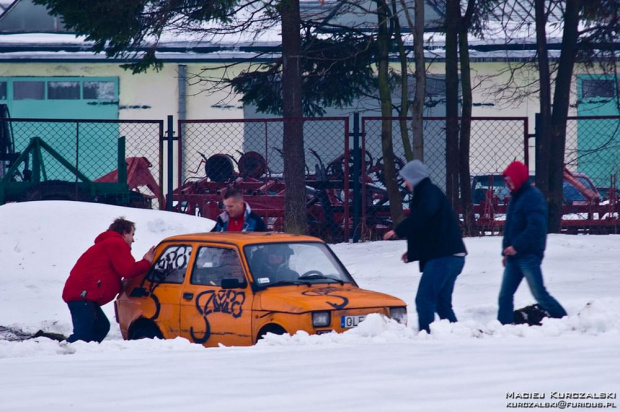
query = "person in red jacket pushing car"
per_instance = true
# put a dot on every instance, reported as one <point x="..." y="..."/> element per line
<point x="96" y="279"/>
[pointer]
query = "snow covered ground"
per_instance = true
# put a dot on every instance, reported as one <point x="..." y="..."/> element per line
<point x="473" y="365"/>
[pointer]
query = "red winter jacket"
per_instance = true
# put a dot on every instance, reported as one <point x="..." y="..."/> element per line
<point x="97" y="274"/>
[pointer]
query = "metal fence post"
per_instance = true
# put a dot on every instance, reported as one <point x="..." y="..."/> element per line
<point x="537" y="120"/>
<point x="356" y="177"/>
<point x="170" y="163"/>
<point x="122" y="164"/>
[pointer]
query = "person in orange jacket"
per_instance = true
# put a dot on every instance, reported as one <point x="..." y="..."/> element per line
<point x="96" y="279"/>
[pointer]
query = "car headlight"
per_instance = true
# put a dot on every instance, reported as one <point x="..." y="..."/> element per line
<point x="399" y="314"/>
<point x="321" y="319"/>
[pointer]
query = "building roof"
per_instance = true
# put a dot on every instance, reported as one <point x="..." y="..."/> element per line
<point x="29" y="33"/>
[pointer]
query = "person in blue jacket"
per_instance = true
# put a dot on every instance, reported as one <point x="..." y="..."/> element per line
<point x="523" y="245"/>
<point x="238" y="216"/>
<point x="434" y="239"/>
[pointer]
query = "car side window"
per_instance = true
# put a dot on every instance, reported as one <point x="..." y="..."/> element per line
<point x="172" y="265"/>
<point x="571" y="193"/>
<point x="214" y="264"/>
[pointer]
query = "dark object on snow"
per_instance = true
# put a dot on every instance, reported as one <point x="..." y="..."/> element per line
<point x="14" y="334"/>
<point x="54" y="336"/>
<point x="531" y="315"/>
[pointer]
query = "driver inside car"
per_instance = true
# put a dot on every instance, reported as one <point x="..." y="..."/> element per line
<point x="275" y="264"/>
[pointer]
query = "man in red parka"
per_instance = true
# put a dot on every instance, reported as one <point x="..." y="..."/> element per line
<point x="96" y="279"/>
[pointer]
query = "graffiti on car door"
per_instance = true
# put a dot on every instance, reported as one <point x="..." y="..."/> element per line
<point x="228" y="302"/>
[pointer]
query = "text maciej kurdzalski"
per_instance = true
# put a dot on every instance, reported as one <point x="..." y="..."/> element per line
<point x="561" y="395"/>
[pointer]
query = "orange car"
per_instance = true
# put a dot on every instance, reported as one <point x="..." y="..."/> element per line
<point x="233" y="288"/>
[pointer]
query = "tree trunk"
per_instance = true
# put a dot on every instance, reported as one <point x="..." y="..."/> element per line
<point x="561" y="99"/>
<point x="452" y="102"/>
<point x="295" y="211"/>
<point x="383" y="47"/>
<point x="464" y="169"/>
<point x="417" y="107"/>
<point x="404" y="85"/>
<point x="543" y="126"/>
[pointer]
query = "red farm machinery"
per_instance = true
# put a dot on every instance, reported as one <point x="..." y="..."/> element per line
<point x="329" y="193"/>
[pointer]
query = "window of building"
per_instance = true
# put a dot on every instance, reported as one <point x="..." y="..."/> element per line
<point x="29" y="90"/>
<point x="63" y="90"/>
<point x="99" y="90"/>
<point x="597" y="88"/>
<point x="3" y="91"/>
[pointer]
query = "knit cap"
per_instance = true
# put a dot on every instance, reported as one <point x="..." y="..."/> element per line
<point x="414" y="172"/>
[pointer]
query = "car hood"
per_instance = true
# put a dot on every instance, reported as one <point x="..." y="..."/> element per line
<point x="303" y="298"/>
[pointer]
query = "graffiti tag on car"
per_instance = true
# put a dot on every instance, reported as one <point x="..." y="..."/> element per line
<point x="328" y="291"/>
<point x="223" y="301"/>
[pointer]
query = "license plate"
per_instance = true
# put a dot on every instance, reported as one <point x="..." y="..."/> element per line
<point x="351" y="321"/>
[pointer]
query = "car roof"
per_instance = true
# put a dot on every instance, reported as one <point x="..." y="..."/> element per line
<point x="499" y="174"/>
<point x="242" y="238"/>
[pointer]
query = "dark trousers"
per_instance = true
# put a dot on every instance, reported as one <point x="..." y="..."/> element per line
<point x="435" y="290"/>
<point x="527" y="267"/>
<point x="90" y="324"/>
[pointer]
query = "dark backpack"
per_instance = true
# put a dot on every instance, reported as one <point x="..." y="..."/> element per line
<point x="530" y="315"/>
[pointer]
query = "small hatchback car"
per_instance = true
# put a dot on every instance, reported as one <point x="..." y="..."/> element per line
<point x="233" y="288"/>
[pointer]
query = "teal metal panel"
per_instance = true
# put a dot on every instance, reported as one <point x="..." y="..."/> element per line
<point x="91" y="102"/>
<point x="91" y="147"/>
<point x="598" y="140"/>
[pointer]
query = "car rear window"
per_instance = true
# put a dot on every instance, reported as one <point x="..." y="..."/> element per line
<point x="171" y="266"/>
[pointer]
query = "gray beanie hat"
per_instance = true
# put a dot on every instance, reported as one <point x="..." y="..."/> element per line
<point x="414" y="172"/>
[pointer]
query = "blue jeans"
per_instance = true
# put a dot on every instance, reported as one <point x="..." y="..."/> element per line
<point x="90" y="324"/>
<point x="435" y="290"/>
<point x="516" y="269"/>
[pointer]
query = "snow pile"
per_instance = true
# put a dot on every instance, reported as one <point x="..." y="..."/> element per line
<point x="380" y="365"/>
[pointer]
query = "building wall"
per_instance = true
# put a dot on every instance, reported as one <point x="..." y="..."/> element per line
<point x="155" y="95"/>
<point x="151" y="95"/>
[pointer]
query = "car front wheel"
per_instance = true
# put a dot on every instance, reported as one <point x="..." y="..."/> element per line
<point x="145" y="331"/>
<point x="275" y="329"/>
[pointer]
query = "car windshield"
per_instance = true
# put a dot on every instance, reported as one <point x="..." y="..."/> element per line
<point x="586" y="182"/>
<point x="275" y="264"/>
<point x="482" y="184"/>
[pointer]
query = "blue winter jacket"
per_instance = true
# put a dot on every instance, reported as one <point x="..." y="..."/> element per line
<point x="526" y="222"/>
<point x="251" y="222"/>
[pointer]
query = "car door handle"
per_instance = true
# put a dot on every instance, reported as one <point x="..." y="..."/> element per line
<point x="188" y="296"/>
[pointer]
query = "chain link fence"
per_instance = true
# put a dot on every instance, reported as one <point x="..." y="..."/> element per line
<point x="593" y="150"/>
<point x="215" y="155"/>
<point x="592" y="159"/>
<point x="247" y="154"/>
<point x="346" y="196"/>
<point x="79" y="160"/>
<point x="494" y="143"/>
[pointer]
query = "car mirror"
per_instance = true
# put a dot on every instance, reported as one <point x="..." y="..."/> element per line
<point x="233" y="283"/>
